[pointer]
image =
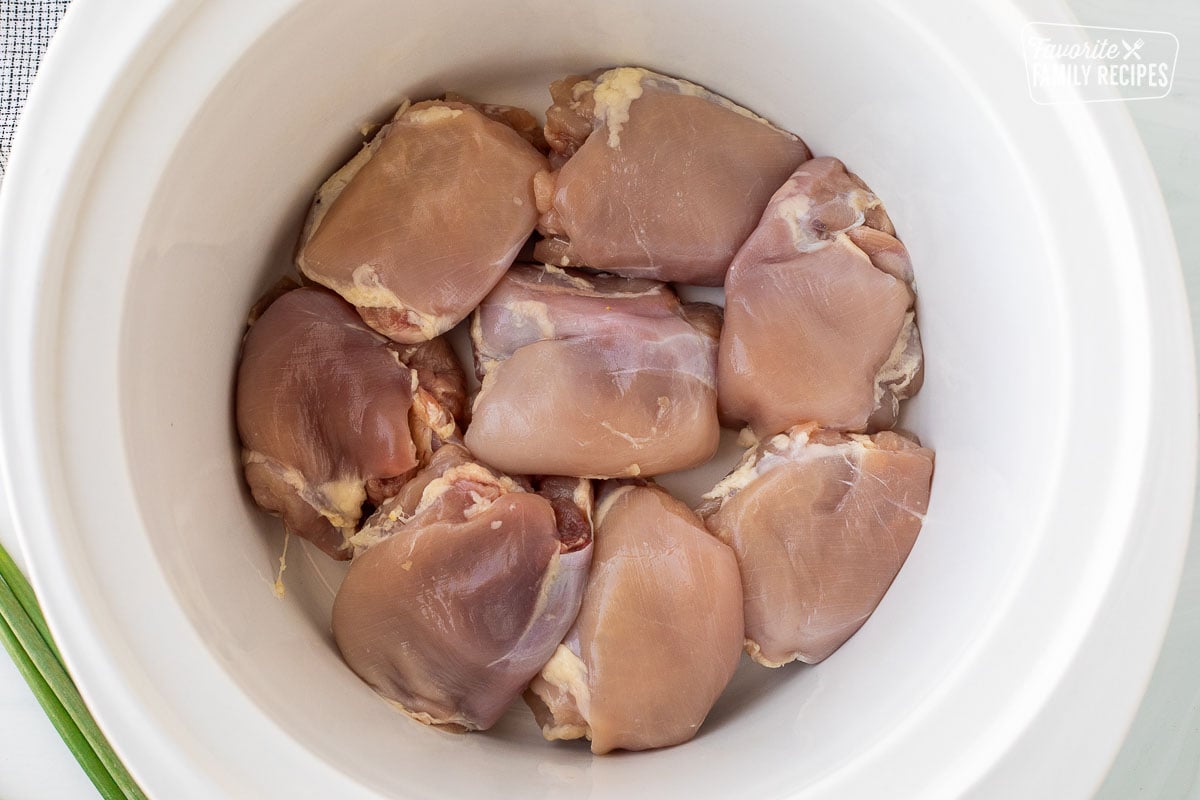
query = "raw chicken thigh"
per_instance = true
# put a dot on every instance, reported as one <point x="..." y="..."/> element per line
<point x="821" y="522"/>
<point x="465" y="585"/>
<point x="592" y="375"/>
<point x="659" y="633"/>
<point x="327" y="414"/>
<point x="476" y="575"/>
<point x="819" y="320"/>
<point x="418" y="226"/>
<point x="662" y="178"/>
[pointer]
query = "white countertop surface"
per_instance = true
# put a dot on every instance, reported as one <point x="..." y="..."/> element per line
<point x="1161" y="757"/>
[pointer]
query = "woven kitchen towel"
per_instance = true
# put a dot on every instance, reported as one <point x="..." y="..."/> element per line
<point x="25" y="30"/>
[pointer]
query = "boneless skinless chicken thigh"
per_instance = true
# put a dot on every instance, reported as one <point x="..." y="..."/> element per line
<point x="662" y="178"/>
<point x="819" y="321"/>
<point x="592" y="375"/>
<point x="821" y="522"/>
<point x="463" y="586"/>
<point x="328" y="412"/>
<point x="475" y="576"/>
<point x="417" y="227"/>
<point x="658" y="635"/>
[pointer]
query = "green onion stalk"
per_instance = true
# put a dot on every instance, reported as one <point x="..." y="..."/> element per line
<point x="27" y="639"/>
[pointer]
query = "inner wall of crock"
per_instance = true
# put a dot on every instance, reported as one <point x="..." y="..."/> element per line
<point x="223" y="228"/>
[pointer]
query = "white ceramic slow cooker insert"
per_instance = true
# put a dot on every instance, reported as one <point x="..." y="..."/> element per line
<point x="167" y="156"/>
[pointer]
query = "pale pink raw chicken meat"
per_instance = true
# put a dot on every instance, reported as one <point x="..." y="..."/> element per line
<point x="819" y="319"/>
<point x="327" y="412"/>
<point x="660" y="178"/>
<point x="464" y="585"/>
<point x="418" y="226"/>
<point x="659" y="633"/>
<point x="821" y="522"/>
<point x="593" y="376"/>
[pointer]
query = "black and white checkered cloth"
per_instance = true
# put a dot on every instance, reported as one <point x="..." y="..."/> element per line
<point x="25" y="30"/>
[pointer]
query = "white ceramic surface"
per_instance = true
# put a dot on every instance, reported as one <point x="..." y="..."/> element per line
<point x="159" y="201"/>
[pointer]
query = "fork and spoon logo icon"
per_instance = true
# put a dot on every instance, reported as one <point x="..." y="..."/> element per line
<point x="1132" y="49"/>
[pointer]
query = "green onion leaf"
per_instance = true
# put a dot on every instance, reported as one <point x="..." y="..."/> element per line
<point x="27" y="639"/>
<point x="10" y="574"/>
